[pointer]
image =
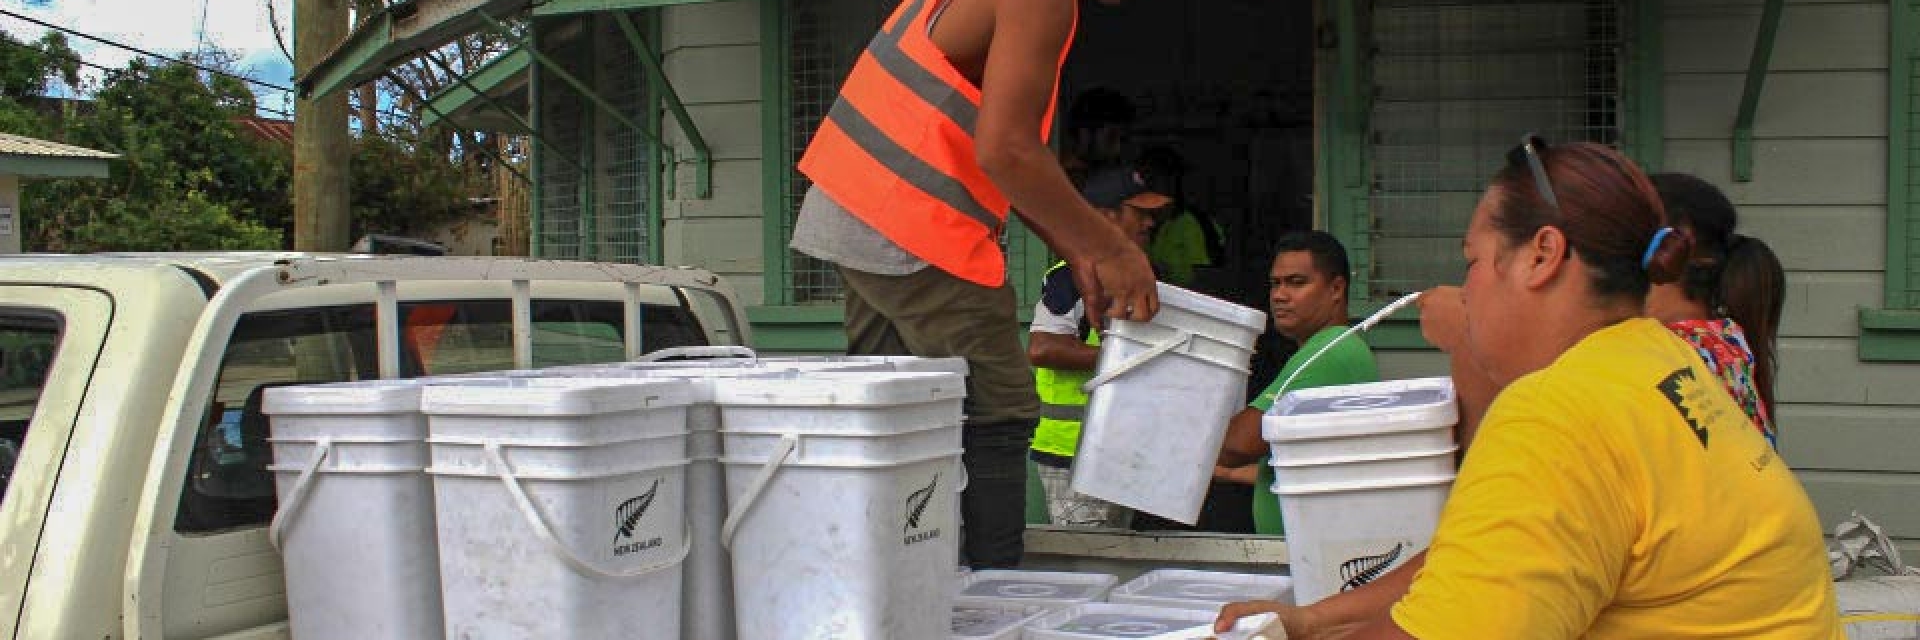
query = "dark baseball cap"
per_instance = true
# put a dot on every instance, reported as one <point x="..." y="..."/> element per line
<point x="1109" y="188"/>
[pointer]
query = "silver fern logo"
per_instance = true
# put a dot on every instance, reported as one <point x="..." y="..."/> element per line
<point x="917" y="509"/>
<point x="626" y="522"/>
<point x="1358" y="571"/>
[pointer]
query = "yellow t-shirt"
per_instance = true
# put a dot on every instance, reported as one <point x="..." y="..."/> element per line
<point x="1620" y="493"/>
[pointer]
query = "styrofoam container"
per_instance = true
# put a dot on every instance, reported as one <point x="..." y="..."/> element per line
<point x="357" y="540"/>
<point x="837" y="402"/>
<point x="1201" y="590"/>
<point x="859" y="544"/>
<point x="1341" y="536"/>
<point x="1152" y="433"/>
<point x="1098" y="620"/>
<point x="1048" y="589"/>
<point x="907" y="364"/>
<point x="1415" y="464"/>
<point x="993" y="622"/>
<point x="1346" y="421"/>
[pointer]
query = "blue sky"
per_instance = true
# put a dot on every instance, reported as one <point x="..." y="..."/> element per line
<point x="170" y="27"/>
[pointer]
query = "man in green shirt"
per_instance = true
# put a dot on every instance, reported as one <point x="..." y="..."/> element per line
<point x="1307" y="296"/>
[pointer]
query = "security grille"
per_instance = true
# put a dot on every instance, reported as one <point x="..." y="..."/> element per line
<point x="1456" y="84"/>
<point x="593" y="169"/>
<point x="826" y="37"/>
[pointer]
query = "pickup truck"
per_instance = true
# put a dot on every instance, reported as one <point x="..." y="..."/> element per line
<point x="133" y="451"/>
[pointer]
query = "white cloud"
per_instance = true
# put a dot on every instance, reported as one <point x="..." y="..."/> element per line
<point x="168" y="27"/>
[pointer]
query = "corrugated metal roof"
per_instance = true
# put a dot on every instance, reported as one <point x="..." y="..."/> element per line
<point x="24" y="146"/>
<point x="268" y="129"/>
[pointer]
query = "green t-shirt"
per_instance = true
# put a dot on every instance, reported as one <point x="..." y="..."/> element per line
<point x="1179" y="246"/>
<point x="1349" y="362"/>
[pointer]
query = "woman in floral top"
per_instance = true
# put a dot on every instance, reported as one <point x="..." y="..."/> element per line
<point x="1728" y="303"/>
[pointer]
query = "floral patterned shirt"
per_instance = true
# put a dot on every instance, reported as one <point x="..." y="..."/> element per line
<point x="1724" y="347"/>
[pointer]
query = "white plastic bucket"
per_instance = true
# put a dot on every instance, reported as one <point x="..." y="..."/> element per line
<point x="560" y="506"/>
<point x="1160" y="403"/>
<point x="1201" y="590"/>
<point x="843" y="516"/>
<point x="1101" y="620"/>
<point x="1362" y="472"/>
<point x="355" y="527"/>
<point x="1045" y="589"/>
<point x="1344" y="535"/>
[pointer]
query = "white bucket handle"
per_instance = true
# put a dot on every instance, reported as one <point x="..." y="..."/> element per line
<point x="297" y="496"/>
<point x="740" y="507"/>
<point x="1181" y="337"/>
<point x="545" y="532"/>
<point x="722" y="351"/>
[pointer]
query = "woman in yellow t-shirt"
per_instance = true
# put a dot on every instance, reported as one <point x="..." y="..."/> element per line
<point x="1613" y="490"/>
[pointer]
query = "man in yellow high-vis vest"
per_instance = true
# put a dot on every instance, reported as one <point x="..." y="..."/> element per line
<point x="1063" y="347"/>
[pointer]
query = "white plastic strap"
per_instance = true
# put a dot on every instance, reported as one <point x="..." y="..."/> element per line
<point x="1181" y="338"/>
<point x="545" y="532"/>
<point x="276" y="531"/>
<point x="738" y="511"/>
<point x="723" y="351"/>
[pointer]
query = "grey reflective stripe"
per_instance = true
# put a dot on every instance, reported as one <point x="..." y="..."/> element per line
<point x="1066" y="412"/>
<point x="907" y="166"/>
<point x="924" y="84"/>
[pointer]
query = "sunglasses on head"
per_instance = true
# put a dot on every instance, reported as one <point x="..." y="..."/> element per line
<point x="1528" y="153"/>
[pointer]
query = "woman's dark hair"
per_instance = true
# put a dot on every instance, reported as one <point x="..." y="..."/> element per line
<point x="1735" y="276"/>
<point x="1606" y="208"/>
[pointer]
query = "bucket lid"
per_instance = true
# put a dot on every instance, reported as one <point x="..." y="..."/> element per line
<point x="1369" y="484"/>
<point x="1357" y="410"/>
<point x="554" y="396"/>
<point x="363" y="397"/>
<point x="1172" y="296"/>
<point x="840" y="388"/>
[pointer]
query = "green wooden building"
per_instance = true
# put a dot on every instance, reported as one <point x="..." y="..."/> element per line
<point x="667" y="132"/>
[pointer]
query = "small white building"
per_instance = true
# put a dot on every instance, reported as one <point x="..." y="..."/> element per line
<point x="24" y="158"/>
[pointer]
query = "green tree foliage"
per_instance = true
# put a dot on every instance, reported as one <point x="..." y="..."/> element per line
<point x="26" y="71"/>
<point x="188" y="178"/>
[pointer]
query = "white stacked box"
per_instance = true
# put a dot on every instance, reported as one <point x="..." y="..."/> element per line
<point x="560" y="506"/>
<point x="355" y="527"/>
<point x="843" y="515"/>
<point x="1102" y="620"/>
<point x="1361" y="472"/>
<point x="1201" y="590"/>
<point x="1046" y="589"/>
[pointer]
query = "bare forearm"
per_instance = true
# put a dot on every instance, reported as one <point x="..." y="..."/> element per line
<point x="1030" y="176"/>
<point x="1064" y="353"/>
<point x="1369" y="604"/>
<point x="1243" y="445"/>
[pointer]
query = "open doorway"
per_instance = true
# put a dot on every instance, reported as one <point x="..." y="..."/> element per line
<point x="1227" y="87"/>
<point x="1220" y="94"/>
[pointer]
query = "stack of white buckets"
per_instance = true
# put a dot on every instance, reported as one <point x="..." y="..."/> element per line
<point x="1361" y="472"/>
<point x="589" y="502"/>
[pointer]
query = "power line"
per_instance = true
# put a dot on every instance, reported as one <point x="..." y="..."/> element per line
<point x="143" y="52"/>
<point x="151" y="54"/>
<point x="104" y="69"/>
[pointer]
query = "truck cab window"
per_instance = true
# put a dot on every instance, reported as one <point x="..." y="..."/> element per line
<point x="28" y="341"/>
<point x="228" y="484"/>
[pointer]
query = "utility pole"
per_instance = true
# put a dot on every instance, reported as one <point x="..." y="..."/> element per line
<point x="321" y="147"/>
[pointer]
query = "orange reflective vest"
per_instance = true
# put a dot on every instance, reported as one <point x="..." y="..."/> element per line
<point x="897" y="151"/>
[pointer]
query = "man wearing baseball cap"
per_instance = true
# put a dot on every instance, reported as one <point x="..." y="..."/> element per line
<point x="1063" y="347"/>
